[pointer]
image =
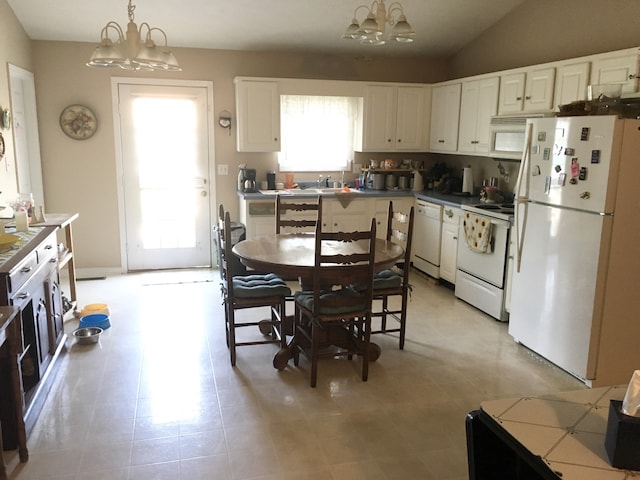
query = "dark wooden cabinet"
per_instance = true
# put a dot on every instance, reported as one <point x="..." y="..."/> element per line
<point x="29" y="280"/>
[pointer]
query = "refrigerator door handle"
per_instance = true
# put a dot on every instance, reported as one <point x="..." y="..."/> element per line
<point x="522" y="198"/>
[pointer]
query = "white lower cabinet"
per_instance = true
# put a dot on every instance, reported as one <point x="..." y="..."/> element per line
<point x="449" y="243"/>
<point x="258" y="216"/>
<point x="338" y="214"/>
<point x="349" y="214"/>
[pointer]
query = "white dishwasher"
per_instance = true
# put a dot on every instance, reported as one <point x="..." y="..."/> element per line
<point x="426" y="237"/>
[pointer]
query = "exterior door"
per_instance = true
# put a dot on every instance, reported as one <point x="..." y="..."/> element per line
<point x="165" y="164"/>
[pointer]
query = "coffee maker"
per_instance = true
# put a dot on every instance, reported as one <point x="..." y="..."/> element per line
<point x="247" y="180"/>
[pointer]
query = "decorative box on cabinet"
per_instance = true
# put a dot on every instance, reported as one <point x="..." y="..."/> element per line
<point x="258" y="112"/>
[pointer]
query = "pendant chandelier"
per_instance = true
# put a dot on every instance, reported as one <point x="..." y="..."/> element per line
<point x="371" y="30"/>
<point x="129" y="51"/>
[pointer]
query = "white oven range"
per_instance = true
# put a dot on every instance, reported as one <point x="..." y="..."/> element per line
<point x="481" y="279"/>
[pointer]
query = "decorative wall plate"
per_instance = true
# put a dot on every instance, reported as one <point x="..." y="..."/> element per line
<point x="78" y="122"/>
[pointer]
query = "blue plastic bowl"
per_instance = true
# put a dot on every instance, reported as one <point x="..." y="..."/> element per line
<point x="99" y="320"/>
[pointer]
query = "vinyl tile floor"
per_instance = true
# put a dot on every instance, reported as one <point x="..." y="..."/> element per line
<point x="157" y="398"/>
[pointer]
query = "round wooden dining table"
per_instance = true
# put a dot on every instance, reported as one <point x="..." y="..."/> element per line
<point x="292" y="255"/>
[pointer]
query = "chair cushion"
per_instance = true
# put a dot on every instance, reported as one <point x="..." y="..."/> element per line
<point x="259" y="286"/>
<point x="383" y="280"/>
<point x="386" y="279"/>
<point x="305" y="299"/>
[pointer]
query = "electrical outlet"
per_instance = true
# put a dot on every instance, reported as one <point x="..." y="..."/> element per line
<point x="356" y="167"/>
<point x="223" y="169"/>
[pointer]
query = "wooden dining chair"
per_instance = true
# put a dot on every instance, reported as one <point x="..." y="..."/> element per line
<point x="296" y="216"/>
<point x="249" y="291"/>
<point x="394" y="282"/>
<point x="334" y="311"/>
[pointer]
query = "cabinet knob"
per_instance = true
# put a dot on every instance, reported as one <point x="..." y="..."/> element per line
<point x="518" y="98"/>
<point x="455" y="238"/>
<point x="527" y="98"/>
<point x="388" y="140"/>
<point x="399" y="140"/>
<point x="440" y="141"/>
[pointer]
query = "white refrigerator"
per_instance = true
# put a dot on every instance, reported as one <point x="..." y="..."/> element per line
<point x="575" y="296"/>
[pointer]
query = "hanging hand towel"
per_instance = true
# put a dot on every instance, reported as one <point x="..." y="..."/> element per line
<point x="477" y="232"/>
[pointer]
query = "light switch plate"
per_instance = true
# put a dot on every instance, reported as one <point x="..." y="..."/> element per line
<point x="223" y="169"/>
<point x="356" y="167"/>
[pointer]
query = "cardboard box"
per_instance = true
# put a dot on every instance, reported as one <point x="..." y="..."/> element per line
<point x="622" y="440"/>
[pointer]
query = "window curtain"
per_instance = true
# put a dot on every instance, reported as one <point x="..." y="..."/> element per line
<point x="317" y="132"/>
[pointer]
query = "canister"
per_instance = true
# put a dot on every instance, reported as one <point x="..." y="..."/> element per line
<point x="391" y="181"/>
<point x="403" y="182"/>
<point x="377" y="181"/>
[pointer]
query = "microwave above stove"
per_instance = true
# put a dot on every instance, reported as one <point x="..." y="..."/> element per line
<point x="508" y="136"/>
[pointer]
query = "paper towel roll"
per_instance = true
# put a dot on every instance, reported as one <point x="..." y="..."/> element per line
<point x="467" y="180"/>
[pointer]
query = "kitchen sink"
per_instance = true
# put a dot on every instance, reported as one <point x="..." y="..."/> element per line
<point x="319" y="191"/>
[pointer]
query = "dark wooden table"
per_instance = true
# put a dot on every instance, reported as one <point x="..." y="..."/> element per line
<point x="292" y="255"/>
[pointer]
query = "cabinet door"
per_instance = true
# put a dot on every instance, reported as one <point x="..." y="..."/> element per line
<point x="258" y="111"/>
<point x="538" y="95"/>
<point x="449" y="252"/>
<point x="478" y="103"/>
<point x="410" y="119"/>
<point x="511" y="93"/>
<point x="469" y="99"/>
<point x="42" y="325"/>
<point x="258" y="216"/>
<point x="445" y="115"/>
<point x="571" y="83"/>
<point x="449" y="243"/>
<point x="352" y="216"/>
<point x="54" y="310"/>
<point x="622" y="70"/>
<point x="379" y="118"/>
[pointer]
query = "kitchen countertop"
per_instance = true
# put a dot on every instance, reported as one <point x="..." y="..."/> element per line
<point x="428" y="195"/>
<point x="565" y="430"/>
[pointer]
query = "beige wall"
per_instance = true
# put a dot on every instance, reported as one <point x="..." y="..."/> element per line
<point x="540" y="31"/>
<point x="81" y="175"/>
<point x="15" y="48"/>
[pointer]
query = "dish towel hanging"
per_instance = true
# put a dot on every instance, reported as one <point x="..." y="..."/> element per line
<point x="477" y="232"/>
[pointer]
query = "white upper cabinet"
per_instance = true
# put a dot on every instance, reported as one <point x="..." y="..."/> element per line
<point x="623" y="69"/>
<point x="528" y="91"/>
<point x="445" y="116"/>
<point x="258" y="114"/>
<point x="478" y="103"/>
<point x="571" y="83"/>
<point x="393" y="119"/>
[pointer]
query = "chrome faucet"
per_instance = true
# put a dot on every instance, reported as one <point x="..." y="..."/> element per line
<point x="320" y="177"/>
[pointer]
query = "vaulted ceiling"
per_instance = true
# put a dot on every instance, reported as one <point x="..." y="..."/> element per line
<point x="442" y="27"/>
